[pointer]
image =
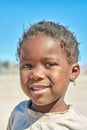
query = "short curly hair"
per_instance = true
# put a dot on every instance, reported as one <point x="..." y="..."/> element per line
<point x="68" y="42"/>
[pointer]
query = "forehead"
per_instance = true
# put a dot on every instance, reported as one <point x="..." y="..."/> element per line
<point x="41" y="46"/>
<point x="40" y="42"/>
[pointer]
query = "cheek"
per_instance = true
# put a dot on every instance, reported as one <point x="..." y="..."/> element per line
<point x="60" y="78"/>
<point x="23" y="81"/>
<point x="23" y="77"/>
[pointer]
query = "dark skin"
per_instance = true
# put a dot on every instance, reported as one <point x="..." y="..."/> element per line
<point x="45" y="73"/>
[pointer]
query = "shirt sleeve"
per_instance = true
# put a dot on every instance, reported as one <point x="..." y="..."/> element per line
<point x="9" y="125"/>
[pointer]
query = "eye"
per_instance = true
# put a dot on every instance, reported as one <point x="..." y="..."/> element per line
<point x="27" y="66"/>
<point x="50" y="64"/>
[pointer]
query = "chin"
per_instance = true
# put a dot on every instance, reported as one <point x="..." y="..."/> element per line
<point x="40" y="103"/>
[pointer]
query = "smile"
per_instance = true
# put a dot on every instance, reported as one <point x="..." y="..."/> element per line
<point x="38" y="88"/>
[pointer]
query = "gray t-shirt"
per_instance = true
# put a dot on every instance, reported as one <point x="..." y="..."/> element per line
<point x="23" y="118"/>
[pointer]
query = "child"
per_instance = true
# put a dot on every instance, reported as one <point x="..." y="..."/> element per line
<point x="48" y="55"/>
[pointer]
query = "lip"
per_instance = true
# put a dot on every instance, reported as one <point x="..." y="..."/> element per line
<point x="38" y="89"/>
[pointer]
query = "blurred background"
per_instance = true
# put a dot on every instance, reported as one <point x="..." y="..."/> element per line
<point x="15" y="17"/>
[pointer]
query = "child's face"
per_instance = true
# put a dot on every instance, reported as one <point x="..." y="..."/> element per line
<point x="45" y="72"/>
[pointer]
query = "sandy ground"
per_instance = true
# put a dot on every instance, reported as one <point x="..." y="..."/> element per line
<point x="11" y="94"/>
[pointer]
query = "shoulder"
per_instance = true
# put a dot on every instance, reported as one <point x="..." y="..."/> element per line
<point x="81" y="117"/>
<point x="77" y="118"/>
<point x="77" y="114"/>
<point x="19" y="110"/>
<point x="21" y="106"/>
<point x="74" y="113"/>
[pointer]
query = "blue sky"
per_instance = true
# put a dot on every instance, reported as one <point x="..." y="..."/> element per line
<point x="14" y="14"/>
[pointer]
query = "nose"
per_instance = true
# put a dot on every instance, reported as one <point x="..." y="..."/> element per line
<point x="37" y="74"/>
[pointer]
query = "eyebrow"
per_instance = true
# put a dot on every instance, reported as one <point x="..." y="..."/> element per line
<point x="24" y="59"/>
<point x="50" y="58"/>
<point x="43" y="59"/>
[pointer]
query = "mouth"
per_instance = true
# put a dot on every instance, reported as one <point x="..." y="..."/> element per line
<point x="38" y="89"/>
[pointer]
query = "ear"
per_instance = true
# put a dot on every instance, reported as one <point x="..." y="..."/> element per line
<point x="75" y="70"/>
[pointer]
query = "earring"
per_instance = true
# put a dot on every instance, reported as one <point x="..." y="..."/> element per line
<point x="74" y="83"/>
